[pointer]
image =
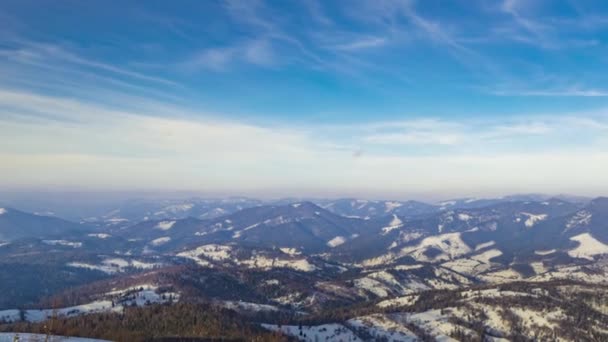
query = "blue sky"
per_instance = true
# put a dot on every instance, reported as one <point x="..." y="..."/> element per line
<point x="387" y="98"/>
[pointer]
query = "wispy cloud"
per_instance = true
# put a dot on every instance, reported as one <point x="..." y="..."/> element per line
<point x="76" y="142"/>
<point x="31" y="52"/>
<point x="363" y="43"/>
<point x="569" y="92"/>
<point x="255" y="52"/>
<point x="513" y="8"/>
<point x="448" y="137"/>
<point x="416" y="138"/>
<point x="67" y="108"/>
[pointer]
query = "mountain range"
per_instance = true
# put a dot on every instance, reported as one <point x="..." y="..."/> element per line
<point x="351" y="267"/>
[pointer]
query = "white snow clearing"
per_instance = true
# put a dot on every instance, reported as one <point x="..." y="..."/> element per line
<point x="160" y="241"/>
<point x="115" y="265"/>
<point x="337" y="241"/>
<point x="464" y="217"/>
<point x="502" y="276"/>
<point x="588" y="247"/>
<point x="213" y="252"/>
<point x="266" y="263"/>
<point x="390" y="206"/>
<point x="532" y="219"/>
<point x="290" y="251"/>
<point x="396" y="223"/>
<point x="325" y="332"/>
<point x="473" y="265"/>
<point x="165" y="225"/>
<point x="115" y="301"/>
<point x="484" y="245"/>
<point x="100" y="235"/>
<point x="581" y="218"/>
<point x="383" y="328"/>
<point x="63" y="243"/>
<point x="450" y="246"/>
<point x="116" y="220"/>
<point x="400" y="301"/>
<point x="545" y="252"/>
<point x="208" y="254"/>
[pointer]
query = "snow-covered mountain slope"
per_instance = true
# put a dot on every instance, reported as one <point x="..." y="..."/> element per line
<point x="114" y="301"/>
<point x="225" y="255"/>
<point x="508" y="313"/>
<point x="16" y="336"/>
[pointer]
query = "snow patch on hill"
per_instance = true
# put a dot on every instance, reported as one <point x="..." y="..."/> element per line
<point x="400" y="301"/>
<point x="207" y="254"/>
<point x="264" y="262"/>
<point x="436" y="322"/>
<point x="372" y="285"/>
<point x="213" y="252"/>
<point x="165" y="225"/>
<point x="390" y="206"/>
<point x="12" y="336"/>
<point x="246" y="306"/>
<point x="588" y="247"/>
<point x="501" y="276"/>
<point x="116" y="220"/>
<point x="532" y="219"/>
<point x="337" y="241"/>
<point x="174" y="209"/>
<point x="383" y="328"/>
<point x="113" y="302"/>
<point x="464" y="217"/>
<point x="160" y="241"/>
<point x="484" y="245"/>
<point x="115" y="265"/>
<point x="532" y="318"/>
<point x="395" y="223"/>
<point x="408" y="267"/>
<point x="581" y="218"/>
<point x="538" y="267"/>
<point x="63" y="243"/>
<point x="450" y="246"/>
<point x="290" y="251"/>
<point x="325" y="332"/>
<point x="100" y="235"/>
<point x="475" y="264"/>
<point x="580" y="273"/>
<point x="441" y="247"/>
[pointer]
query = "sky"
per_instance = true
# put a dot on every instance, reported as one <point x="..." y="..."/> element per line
<point x="386" y="98"/>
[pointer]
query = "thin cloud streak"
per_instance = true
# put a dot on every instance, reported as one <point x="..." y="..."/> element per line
<point x="364" y="43"/>
<point x="34" y="52"/>
<point x="554" y="93"/>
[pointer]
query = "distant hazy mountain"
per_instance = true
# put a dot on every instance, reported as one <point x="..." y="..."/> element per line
<point x="15" y="224"/>
<point x="135" y="211"/>
<point x="367" y="209"/>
